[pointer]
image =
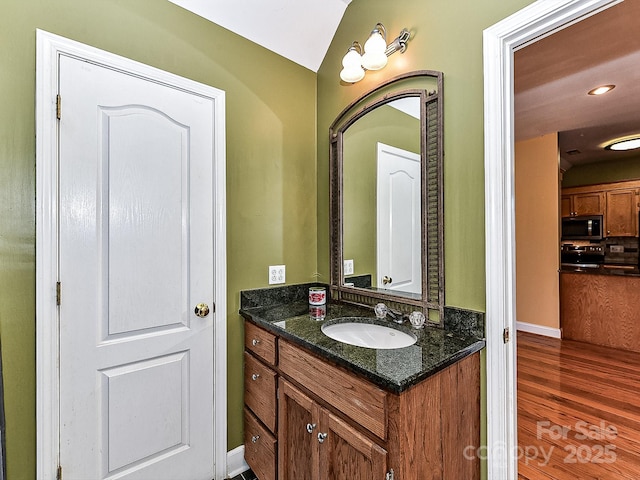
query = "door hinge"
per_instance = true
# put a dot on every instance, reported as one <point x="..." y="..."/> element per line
<point x="505" y="335"/>
<point x="58" y="107"/>
<point x="389" y="475"/>
<point x="59" y="473"/>
<point x="58" y="293"/>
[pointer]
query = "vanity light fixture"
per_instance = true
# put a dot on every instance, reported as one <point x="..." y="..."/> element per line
<point x="602" y="89"/>
<point x="356" y="62"/>
<point x="623" y="144"/>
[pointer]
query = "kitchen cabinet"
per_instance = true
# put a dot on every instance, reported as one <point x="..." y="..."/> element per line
<point x="621" y="219"/>
<point x="602" y="309"/>
<point x="617" y="202"/>
<point x="333" y="423"/>
<point x="588" y="203"/>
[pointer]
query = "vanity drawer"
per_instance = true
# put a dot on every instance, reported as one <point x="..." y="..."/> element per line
<point x="259" y="448"/>
<point x="260" y="342"/>
<point x="358" y="399"/>
<point x="260" y="383"/>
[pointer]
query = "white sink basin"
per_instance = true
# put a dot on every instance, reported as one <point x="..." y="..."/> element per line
<point x="368" y="335"/>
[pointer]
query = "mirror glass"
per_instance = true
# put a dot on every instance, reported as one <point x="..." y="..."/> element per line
<point x="382" y="199"/>
<point x="387" y="196"/>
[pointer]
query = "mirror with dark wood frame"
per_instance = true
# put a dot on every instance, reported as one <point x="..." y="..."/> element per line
<point x="386" y="190"/>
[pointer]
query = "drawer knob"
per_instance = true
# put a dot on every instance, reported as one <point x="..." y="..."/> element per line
<point x="255" y="342"/>
<point x="255" y="438"/>
<point x="310" y="427"/>
<point x="255" y="376"/>
<point x="322" y="437"/>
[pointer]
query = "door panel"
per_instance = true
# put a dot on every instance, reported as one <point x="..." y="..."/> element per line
<point x="297" y="452"/>
<point x="135" y="257"/>
<point x="346" y="453"/>
<point x="142" y="222"/>
<point x="399" y="219"/>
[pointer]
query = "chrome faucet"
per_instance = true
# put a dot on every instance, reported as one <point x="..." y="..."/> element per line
<point x="382" y="311"/>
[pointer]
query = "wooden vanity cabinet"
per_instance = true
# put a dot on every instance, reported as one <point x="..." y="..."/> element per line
<point x="333" y="424"/>
<point x="317" y="445"/>
<point x="260" y="400"/>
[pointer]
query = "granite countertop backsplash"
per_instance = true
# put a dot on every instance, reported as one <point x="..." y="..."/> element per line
<point x="285" y="312"/>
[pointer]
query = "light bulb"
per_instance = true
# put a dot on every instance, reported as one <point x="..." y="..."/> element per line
<point x="351" y="59"/>
<point x="374" y="57"/>
<point x="352" y="74"/>
<point x="352" y="63"/>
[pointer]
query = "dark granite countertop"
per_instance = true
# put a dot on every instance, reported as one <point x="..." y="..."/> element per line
<point x="394" y="370"/>
<point x="607" y="269"/>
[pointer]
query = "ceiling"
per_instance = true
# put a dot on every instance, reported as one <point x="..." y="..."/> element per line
<point x="300" y="30"/>
<point x="553" y="75"/>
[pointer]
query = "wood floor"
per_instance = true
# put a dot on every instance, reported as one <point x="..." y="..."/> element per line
<point x="578" y="411"/>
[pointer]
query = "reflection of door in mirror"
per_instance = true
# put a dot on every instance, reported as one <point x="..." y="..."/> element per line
<point x="398" y="198"/>
<point x="397" y="123"/>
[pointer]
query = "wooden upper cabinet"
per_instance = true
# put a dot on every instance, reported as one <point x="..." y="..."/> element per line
<point x="592" y="203"/>
<point x="588" y="203"/>
<point x="621" y="219"/>
<point x="566" y="207"/>
<point x="617" y="202"/>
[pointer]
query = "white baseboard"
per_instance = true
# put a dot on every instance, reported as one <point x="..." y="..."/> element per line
<point x="235" y="462"/>
<point x="538" y="329"/>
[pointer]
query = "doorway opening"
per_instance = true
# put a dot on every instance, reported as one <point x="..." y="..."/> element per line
<point x="500" y="42"/>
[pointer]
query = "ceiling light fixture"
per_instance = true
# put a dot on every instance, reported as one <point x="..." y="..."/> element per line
<point x="602" y="89"/>
<point x="623" y="144"/>
<point x="356" y="62"/>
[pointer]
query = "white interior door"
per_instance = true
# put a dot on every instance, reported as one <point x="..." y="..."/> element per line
<point x="399" y="227"/>
<point x="136" y="246"/>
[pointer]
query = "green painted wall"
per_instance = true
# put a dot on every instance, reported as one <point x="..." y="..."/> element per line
<point x="271" y="168"/>
<point x="602" y="172"/>
<point x="391" y="127"/>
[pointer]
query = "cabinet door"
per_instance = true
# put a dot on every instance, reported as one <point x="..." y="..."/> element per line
<point x="297" y="434"/>
<point x="346" y="453"/>
<point x="588" y="203"/>
<point x="566" y="208"/>
<point x="622" y="213"/>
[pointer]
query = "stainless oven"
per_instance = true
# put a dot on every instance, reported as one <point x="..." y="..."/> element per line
<point x="582" y="256"/>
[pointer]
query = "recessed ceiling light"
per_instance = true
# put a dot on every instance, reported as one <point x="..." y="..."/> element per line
<point x="622" y="145"/>
<point x="601" y="89"/>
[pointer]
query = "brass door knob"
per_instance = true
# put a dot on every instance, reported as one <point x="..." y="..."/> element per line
<point x="202" y="310"/>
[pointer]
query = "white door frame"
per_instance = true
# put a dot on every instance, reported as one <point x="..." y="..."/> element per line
<point x="500" y="41"/>
<point x="49" y="47"/>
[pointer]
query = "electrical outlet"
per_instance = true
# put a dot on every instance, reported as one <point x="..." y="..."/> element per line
<point x="348" y="267"/>
<point x="276" y="274"/>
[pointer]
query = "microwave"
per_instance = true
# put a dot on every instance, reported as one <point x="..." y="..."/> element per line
<point x="582" y="227"/>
